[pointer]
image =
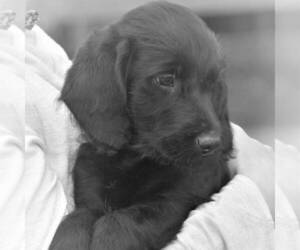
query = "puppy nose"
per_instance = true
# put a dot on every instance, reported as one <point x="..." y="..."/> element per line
<point x="208" y="143"/>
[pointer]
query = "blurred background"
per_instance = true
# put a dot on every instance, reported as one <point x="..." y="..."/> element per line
<point x="245" y="30"/>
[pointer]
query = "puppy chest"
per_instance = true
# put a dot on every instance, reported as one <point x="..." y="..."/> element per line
<point x="142" y="183"/>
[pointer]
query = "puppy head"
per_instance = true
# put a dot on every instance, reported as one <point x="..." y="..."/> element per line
<point x="152" y="80"/>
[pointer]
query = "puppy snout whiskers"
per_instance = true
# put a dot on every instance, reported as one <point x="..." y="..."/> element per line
<point x="208" y="143"/>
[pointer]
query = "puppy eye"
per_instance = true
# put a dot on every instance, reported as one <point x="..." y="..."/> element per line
<point x="165" y="80"/>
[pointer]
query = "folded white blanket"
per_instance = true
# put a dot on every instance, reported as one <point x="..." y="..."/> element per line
<point x="12" y="195"/>
<point x="48" y="139"/>
<point x="237" y="218"/>
<point x="32" y="195"/>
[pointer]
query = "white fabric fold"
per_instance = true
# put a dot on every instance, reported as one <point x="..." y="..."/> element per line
<point x="48" y="143"/>
<point x="12" y="123"/>
<point x="235" y="216"/>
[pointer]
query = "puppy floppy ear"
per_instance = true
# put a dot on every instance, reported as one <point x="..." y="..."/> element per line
<point x="95" y="89"/>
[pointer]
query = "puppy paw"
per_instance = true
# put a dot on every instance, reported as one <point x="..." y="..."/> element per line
<point x="111" y="232"/>
<point x="74" y="232"/>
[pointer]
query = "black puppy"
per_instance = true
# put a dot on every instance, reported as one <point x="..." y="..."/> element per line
<point x="149" y="95"/>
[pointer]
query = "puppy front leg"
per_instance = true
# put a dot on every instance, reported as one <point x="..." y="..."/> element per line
<point x="74" y="232"/>
<point x="141" y="227"/>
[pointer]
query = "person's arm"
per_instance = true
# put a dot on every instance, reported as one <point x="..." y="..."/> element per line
<point x="46" y="140"/>
<point x="12" y="194"/>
